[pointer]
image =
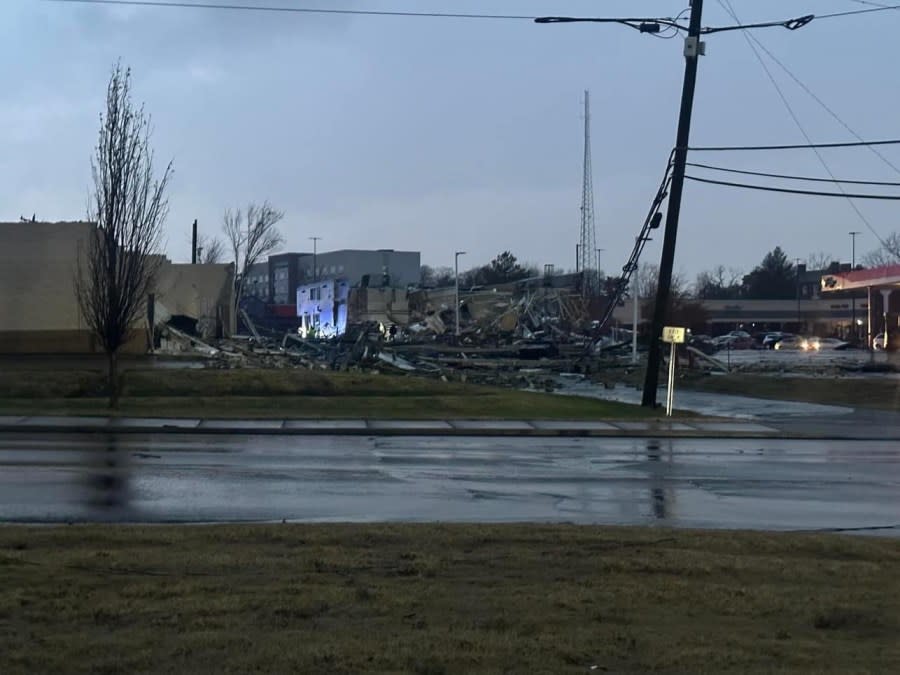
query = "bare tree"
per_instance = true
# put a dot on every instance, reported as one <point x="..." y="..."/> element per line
<point x="888" y="254"/>
<point x="129" y="207"/>
<point x="718" y="283"/>
<point x="252" y="235"/>
<point x="210" y="250"/>
<point x="819" y="261"/>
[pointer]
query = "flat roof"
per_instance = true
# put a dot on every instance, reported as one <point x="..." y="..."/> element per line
<point x="875" y="277"/>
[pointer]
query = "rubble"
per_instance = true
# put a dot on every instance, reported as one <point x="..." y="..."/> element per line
<point x="532" y="334"/>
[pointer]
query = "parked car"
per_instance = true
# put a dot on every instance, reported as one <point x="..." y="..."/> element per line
<point x="772" y="339"/>
<point x="830" y="343"/>
<point x="730" y="341"/>
<point x="702" y="342"/>
<point x="795" y="342"/>
<point x="878" y="342"/>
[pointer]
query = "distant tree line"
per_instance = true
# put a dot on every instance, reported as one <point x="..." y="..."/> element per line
<point x="503" y="269"/>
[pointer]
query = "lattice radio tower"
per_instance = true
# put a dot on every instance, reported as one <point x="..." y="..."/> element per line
<point x="587" y="251"/>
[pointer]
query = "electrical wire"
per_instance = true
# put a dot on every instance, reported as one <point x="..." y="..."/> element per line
<point x="815" y="193"/>
<point x="295" y="10"/>
<point x="870" y="4"/>
<point x="818" y="100"/>
<point x="640" y="241"/>
<point x="789" y="177"/>
<point x="852" y="12"/>
<point x="793" y="146"/>
<point x="671" y="31"/>
<point x="726" y="5"/>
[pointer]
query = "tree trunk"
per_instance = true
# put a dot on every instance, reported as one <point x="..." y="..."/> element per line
<point x="113" y="380"/>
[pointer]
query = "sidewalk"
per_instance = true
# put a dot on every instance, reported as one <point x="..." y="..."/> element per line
<point x="811" y="428"/>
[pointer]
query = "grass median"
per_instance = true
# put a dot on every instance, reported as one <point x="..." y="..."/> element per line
<point x="857" y="392"/>
<point x="249" y="393"/>
<point x="436" y="599"/>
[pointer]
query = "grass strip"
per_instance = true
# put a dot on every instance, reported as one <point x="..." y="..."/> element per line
<point x="433" y="599"/>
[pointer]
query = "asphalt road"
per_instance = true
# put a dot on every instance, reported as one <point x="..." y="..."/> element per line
<point x="708" y="483"/>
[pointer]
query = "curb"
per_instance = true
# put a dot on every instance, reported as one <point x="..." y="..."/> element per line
<point x="492" y="432"/>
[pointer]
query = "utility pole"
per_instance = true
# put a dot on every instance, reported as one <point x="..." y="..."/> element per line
<point x="853" y="330"/>
<point x="797" y="265"/>
<point x="315" y="241"/>
<point x="456" y="279"/>
<point x="693" y="49"/>
<point x="194" y="243"/>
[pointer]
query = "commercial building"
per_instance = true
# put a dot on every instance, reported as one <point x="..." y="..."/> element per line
<point x="276" y="280"/>
<point x="881" y="313"/>
<point x="272" y="290"/>
<point x="813" y="310"/>
<point x="39" y="311"/>
<point x="322" y="308"/>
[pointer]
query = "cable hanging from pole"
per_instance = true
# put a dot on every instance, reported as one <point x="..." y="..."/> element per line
<point x="809" y="179"/>
<point x="751" y="41"/>
<point x="794" y="146"/>
<point x="812" y="193"/>
<point x="651" y="222"/>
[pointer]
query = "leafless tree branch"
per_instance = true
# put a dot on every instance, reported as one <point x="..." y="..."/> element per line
<point x="252" y="235"/>
<point x="129" y="207"/>
<point x="888" y="254"/>
<point x="212" y="250"/>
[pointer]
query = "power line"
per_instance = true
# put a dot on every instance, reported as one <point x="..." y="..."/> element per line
<point x="852" y="12"/>
<point x="726" y="4"/>
<point x="813" y="193"/>
<point x="653" y="26"/>
<point x="818" y="100"/>
<point x="789" y="177"/>
<point x="871" y="4"/>
<point x="794" y="146"/>
<point x="292" y="10"/>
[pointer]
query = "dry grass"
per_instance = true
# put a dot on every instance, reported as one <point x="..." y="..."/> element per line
<point x="870" y="392"/>
<point x="289" y="394"/>
<point x="444" y="599"/>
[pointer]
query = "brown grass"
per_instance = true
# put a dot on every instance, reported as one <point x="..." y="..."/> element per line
<point x="444" y="599"/>
<point x="289" y="394"/>
<point x="869" y="392"/>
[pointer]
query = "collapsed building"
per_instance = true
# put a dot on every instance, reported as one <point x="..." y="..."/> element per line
<point x="39" y="311"/>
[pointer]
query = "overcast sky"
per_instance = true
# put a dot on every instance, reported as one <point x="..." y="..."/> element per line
<point x="440" y="135"/>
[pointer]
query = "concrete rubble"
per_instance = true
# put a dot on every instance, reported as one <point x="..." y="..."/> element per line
<point x="523" y="335"/>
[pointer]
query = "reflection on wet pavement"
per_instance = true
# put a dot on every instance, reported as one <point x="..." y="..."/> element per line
<point x="712" y="404"/>
<point x="762" y="483"/>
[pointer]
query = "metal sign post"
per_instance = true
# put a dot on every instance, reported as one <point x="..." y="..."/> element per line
<point x="674" y="336"/>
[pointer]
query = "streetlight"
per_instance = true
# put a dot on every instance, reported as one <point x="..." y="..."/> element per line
<point x="853" y="293"/>
<point x="599" y="251"/>
<point x="456" y="278"/>
<point x="315" y="241"/>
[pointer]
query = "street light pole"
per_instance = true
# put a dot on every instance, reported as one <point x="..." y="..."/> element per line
<point x="797" y="266"/>
<point x="853" y="293"/>
<point x="456" y="279"/>
<point x="693" y="48"/>
<point x="315" y="241"/>
<point x="599" y="289"/>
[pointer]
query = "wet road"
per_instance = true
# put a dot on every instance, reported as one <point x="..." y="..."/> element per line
<point x="715" y="483"/>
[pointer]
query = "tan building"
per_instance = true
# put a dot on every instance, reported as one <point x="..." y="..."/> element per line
<point x="39" y="312"/>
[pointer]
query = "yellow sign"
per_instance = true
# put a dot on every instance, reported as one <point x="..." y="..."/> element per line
<point x="673" y="334"/>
